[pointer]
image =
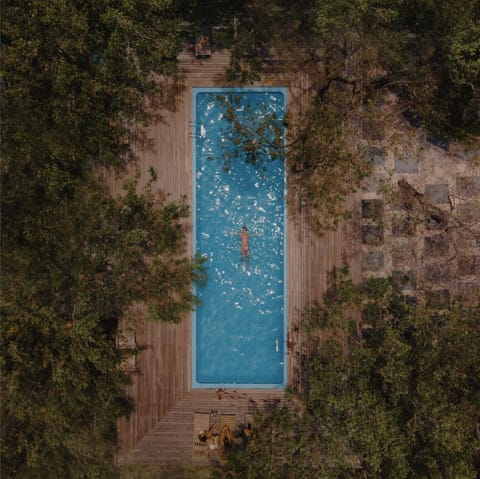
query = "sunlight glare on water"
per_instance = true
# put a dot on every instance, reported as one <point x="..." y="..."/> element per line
<point x="239" y="328"/>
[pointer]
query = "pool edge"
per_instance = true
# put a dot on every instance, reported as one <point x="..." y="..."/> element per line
<point x="194" y="384"/>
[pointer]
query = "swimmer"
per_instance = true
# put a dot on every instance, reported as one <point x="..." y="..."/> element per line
<point x="245" y="248"/>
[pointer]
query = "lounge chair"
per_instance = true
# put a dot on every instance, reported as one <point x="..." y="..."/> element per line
<point x="249" y="419"/>
<point x="203" y="44"/>
<point x="126" y="340"/>
<point x="229" y="420"/>
<point x="201" y="422"/>
<point x="127" y="344"/>
<point x="129" y="364"/>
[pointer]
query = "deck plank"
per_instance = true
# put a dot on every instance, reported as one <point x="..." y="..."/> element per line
<point x="159" y="431"/>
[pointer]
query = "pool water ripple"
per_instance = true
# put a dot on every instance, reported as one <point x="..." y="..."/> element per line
<point x="239" y="329"/>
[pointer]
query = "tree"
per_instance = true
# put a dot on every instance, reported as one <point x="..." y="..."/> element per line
<point x="69" y="274"/>
<point x="355" y="54"/>
<point x="325" y="165"/>
<point x="426" y="51"/>
<point x="75" y="76"/>
<point x="323" y="168"/>
<point x="256" y="132"/>
<point x="393" y="392"/>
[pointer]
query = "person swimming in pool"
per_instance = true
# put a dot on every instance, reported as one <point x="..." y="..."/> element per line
<point x="244" y="247"/>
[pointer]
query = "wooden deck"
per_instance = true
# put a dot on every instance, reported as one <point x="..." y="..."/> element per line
<point x="160" y="429"/>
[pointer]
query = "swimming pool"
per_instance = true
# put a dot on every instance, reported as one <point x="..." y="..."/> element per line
<point x="239" y="330"/>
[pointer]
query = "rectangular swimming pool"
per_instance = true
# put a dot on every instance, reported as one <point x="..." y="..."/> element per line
<point x="239" y="331"/>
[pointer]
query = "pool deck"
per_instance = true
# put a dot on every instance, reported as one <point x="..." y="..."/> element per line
<point x="159" y="431"/>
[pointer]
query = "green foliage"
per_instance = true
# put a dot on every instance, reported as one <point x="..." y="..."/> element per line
<point x="257" y="29"/>
<point x="340" y="295"/>
<point x="393" y="393"/>
<point x="62" y="392"/>
<point x="71" y="266"/>
<point x="284" y="436"/>
<point x="437" y="40"/>
<point x="426" y="52"/>
<point x="74" y="259"/>
<point x="74" y="74"/>
<point x="324" y="170"/>
<point x="253" y="132"/>
<point x="165" y="472"/>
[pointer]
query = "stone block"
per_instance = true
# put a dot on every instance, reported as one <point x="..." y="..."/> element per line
<point x="438" y="141"/>
<point x="373" y="260"/>
<point x="373" y="129"/>
<point x="406" y="165"/>
<point x="376" y="156"/>
<point x="437" y="245"/>
<point x="405" y="280"/>
<point x="412" y="118"/>
<point x="468" y="212"/>
<point x="404" y="254"/>
<point x="372" y="234"/>
<point x="438" y="298"/>
<point x="468" y="265"/>
<point x="375" y="182"/>
<point x="468" y="291"/>
<point x="372" y="209"/>
<point x="466" y="242"/>
<point x="468" y="186"/>
<point x="411" y="300"/>
<point x="438" y="273"/>
<point x="437" y="194"/>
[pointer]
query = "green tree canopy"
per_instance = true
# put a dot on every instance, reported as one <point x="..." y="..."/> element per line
<point x="393" y="392"/>
<point x="69" y="273"/>
<point x="425" y="51"/>
<point x="75" y="73"/>
<point x="356" y="53"/>
<point x="74" y="259"/>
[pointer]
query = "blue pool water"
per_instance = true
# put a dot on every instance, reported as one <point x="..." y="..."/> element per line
<point x="239" y="331"/>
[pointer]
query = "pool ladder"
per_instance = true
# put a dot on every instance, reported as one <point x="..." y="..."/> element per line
<point x="192" y="125"/>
